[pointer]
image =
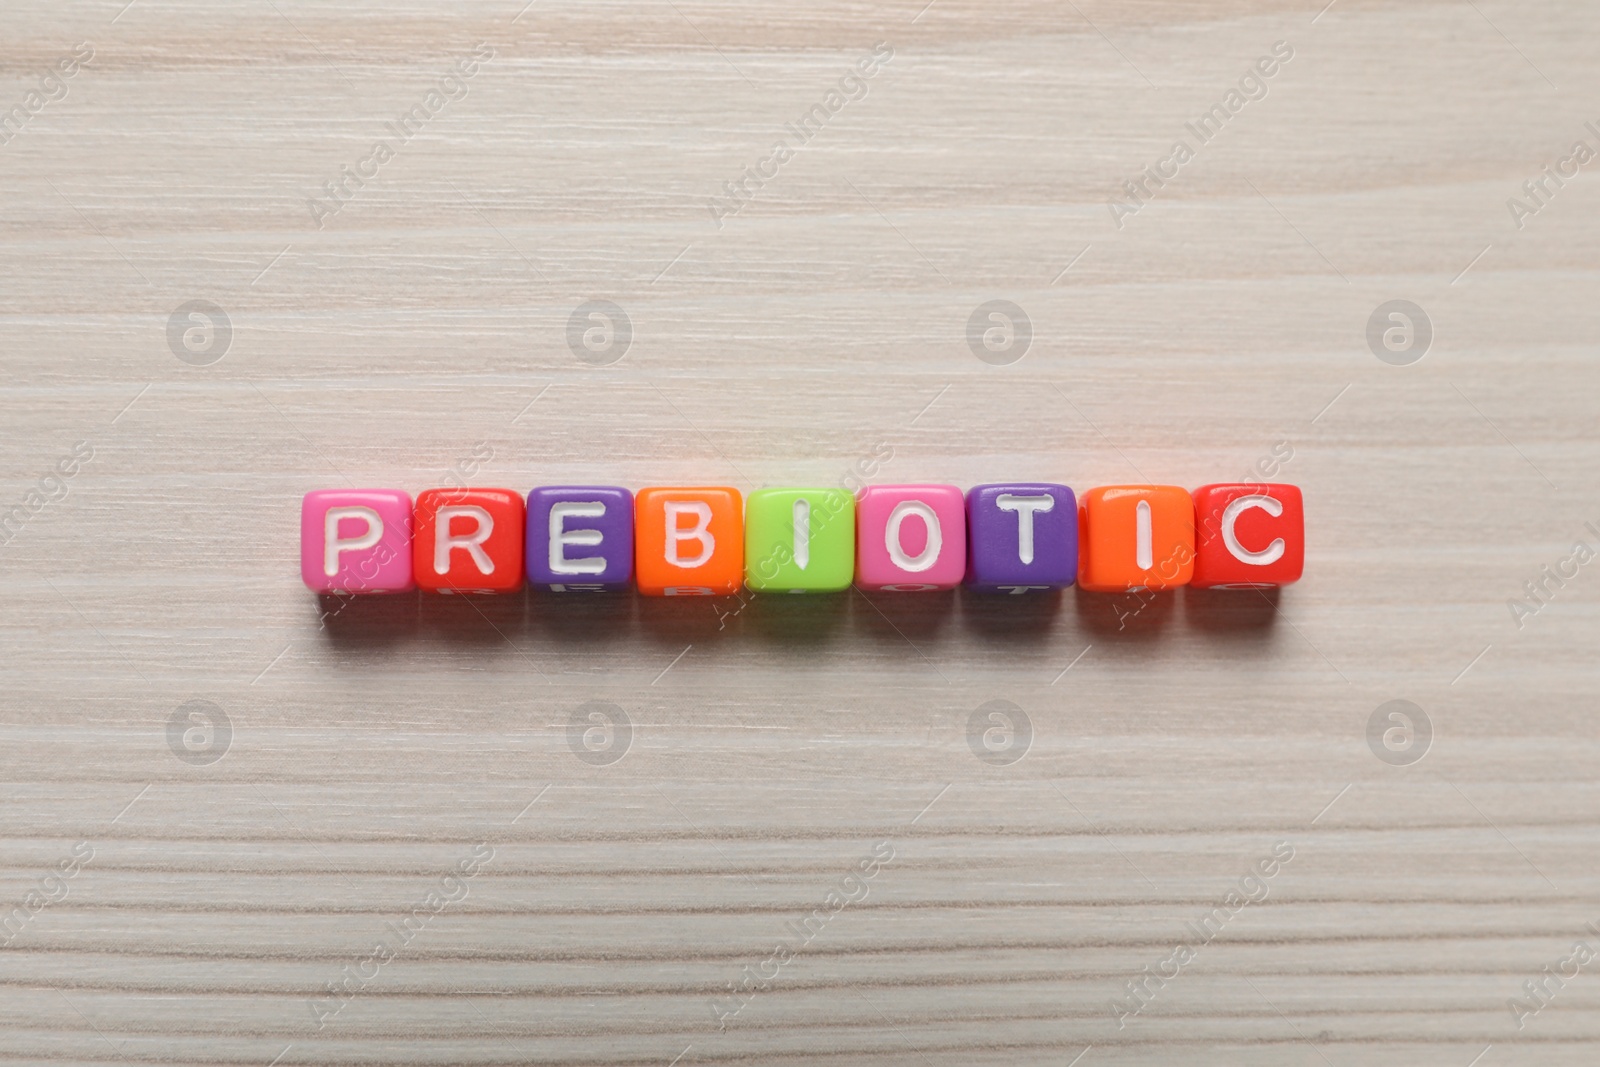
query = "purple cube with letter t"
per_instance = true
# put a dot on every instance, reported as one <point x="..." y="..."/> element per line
<point x="580" y="538"/>
<point x="1021" y="537"/>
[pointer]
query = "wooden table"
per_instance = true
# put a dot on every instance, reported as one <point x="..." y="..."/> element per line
<point x="531" y="830"/>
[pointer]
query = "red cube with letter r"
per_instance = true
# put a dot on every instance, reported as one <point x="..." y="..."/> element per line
<point x="468" y="540"/>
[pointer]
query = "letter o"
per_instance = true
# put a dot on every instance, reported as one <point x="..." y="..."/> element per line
<point x="891" y="537"/>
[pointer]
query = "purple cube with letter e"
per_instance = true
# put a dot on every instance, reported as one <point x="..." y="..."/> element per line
<point x="580" y="538"/>
<point x="1020" y="537"/>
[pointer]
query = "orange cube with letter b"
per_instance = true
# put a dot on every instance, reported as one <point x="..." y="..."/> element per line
<point x="688" y="541"/>
<point x="1135" y="537"/>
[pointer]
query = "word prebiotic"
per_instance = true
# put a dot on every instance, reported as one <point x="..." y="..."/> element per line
<point x="709" y="541"/>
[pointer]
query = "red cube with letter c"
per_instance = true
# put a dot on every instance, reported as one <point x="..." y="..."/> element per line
<point x="1248" y="535"/>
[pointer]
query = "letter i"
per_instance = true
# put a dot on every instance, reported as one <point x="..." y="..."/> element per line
<point x="1143" y="538"/>
<point x="802" y="532"/>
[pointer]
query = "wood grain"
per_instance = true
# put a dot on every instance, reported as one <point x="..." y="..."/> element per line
<point x="773" y="744"/>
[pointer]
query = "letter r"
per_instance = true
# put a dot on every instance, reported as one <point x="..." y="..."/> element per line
<point x="444" y="541"/>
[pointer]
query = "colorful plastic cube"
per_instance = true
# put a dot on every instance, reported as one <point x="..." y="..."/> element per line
<point x="1248" y="535"/>
<point x="580" y="538"/>
<point x="910" y="538"/>
<point x="1021" y="537"/>
<point x="688" y="541"/>
<point x="468" y="540"/>
<point x="356" y="541"/>
<point x="800" y="540"/>
<point x="1135" y="537"/>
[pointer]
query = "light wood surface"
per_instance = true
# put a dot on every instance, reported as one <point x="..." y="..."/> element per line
<point x="775" y="745"/>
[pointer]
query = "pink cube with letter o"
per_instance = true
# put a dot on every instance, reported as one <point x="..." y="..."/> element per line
<point x="911" y="538"/>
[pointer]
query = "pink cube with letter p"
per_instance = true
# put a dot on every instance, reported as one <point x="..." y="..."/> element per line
<point x="356" y="541"/>
<point x="911" y="538"/>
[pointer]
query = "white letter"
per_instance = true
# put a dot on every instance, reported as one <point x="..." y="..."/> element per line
<point x="891" y="536"/>
<point x="1230" y="515"/>
<point x="702" y="514"/>
<point x="1143" y="539"/>
<point x="332" y="545"/>
<point x="443" y="541"/>
<point x="560" y="537"/>
<point x="802" y="532"/>
<point x="1024" y="506"/>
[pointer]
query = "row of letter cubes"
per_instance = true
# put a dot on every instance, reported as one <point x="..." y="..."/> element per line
<point x="708" y="541"/>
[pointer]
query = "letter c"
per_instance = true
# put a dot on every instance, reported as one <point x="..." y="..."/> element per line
<point x="1230" y="515"/>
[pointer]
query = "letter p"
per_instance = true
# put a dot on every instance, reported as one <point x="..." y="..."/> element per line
<point x="334" y="545"/>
